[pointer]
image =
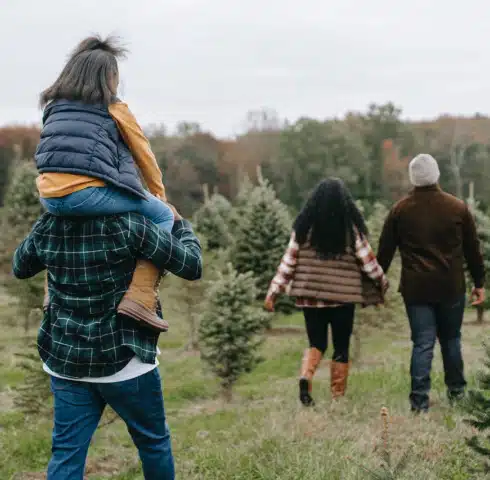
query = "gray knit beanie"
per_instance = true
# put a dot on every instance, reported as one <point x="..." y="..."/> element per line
<point x="424" y="170"/>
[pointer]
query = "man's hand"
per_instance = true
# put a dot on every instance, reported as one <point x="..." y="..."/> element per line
<point x="177" y="215"/>
<point x="477" y="296"/>
<point x="269" y="304"/>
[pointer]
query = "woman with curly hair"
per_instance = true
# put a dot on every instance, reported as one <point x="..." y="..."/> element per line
<point x="329" y="267"/>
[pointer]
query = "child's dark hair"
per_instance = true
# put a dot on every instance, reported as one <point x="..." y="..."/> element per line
<point x="90" y="74"/>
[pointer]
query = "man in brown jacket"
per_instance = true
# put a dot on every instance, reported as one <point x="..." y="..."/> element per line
<point x="436" y="235"/>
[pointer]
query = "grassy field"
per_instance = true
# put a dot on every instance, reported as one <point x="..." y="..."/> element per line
<point x="264" y="433"/>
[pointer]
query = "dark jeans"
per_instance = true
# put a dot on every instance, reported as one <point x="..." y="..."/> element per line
<point x="341" y="320"/>
<point x="428" y="322"/>
<point x="78" y="407"/>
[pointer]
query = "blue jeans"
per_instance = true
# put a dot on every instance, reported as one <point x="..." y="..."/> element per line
<point x="78" y="407"/>
<point x="428" y="323"/>
<point x="98" y="201"/>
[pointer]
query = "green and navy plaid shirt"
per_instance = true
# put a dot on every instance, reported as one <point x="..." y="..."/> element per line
<point x="90" y="263"/>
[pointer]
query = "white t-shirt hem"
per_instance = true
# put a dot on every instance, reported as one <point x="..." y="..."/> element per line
<point x="135" y="368"/>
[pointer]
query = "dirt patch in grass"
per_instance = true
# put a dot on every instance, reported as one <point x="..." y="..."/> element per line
<point x="278" y="331"/>
<point x="105" y="467"/>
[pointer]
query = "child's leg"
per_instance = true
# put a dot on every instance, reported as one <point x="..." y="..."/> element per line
<point x="140" y="300"/>
<point x="96" y="201"/>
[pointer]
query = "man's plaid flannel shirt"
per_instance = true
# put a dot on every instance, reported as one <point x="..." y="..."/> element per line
<point x="285" y="273"/>
<point x="90" y="264"/>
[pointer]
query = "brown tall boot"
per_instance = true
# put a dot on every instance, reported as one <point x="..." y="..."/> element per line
<point x="311" y="359"/>
<point x="140" y="301"/>
<point x="339" y="373"/>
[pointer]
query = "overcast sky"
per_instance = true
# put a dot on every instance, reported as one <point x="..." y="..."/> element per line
<point x="211" y="61"/>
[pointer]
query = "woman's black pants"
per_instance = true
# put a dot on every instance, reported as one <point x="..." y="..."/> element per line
<point x="341" y="320"/>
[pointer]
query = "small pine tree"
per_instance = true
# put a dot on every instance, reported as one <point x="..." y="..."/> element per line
<point x="478" y="406"/>
<point x="261" y="238"/>
<point x="240" y="204"/>
<point x="230" y="328"/>
<point x="222" y="204"/>
<point x="32" y="396"/>
<point x="6" y="162"/>
<point x="482" y="221"/>
<point x="189" y="297"/>
<point x="387" y="470"/>
<point x="22" y="209"/>
<point x="211" y="220"/>
<point x="243" y="195"/>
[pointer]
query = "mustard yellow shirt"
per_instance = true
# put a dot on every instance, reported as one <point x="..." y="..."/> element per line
<point x="55" y="185"/>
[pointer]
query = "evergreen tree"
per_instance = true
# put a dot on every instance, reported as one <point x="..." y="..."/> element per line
<point x="482" y="221"/>
<point x="189" y="297"/>
<point x="240" y="204"/>
<point x="211" y="220"/>
<point x="6" y="161"/>
<point x="222" y="204"/>
<point x="32" y="396"/>
<point x="478" y="406"/>
<point x="244" y="192"/>
<point x="22" y="209"/>
<point x="389" y="469"/>
<point x="261" y="238"/>
<point x="230" y="328"/>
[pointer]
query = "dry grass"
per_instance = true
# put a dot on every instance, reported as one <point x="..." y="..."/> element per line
<point x="264" y="433"/>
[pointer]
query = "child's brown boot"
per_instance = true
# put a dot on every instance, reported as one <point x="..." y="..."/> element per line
<point x="140" y="301"/>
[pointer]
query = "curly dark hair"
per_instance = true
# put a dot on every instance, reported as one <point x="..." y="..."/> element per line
<point x="90" y="75"/>
<point x="328" y="219"/>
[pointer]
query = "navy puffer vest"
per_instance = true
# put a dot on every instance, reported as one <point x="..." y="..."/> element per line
<point x="83" y="139"/>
